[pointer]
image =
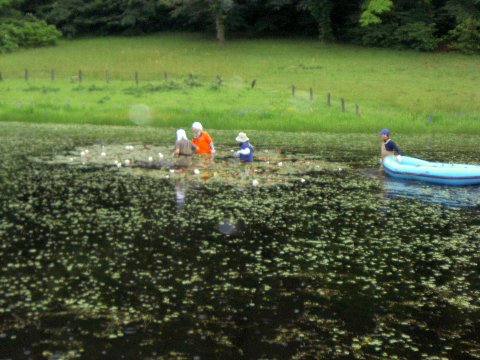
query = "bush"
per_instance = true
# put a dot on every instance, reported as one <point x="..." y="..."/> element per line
<point x="466" y="36"/>
<point x="416" y="35"/>
<point x="9" y="35"/>
<point x="29" y="32"/>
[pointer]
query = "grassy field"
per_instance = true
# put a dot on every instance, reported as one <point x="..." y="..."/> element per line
<point x="407" y="91"/>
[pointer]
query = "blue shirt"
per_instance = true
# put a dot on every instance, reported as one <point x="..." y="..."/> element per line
<point x="246" y="157"/>
<point x="391" y="146"/>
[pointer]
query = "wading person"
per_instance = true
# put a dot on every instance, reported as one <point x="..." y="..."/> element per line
<point x="202" y="140"/>
<point x="184" y="149"/>
<point x="388" y="146"/>
<point x="245" y="154"/>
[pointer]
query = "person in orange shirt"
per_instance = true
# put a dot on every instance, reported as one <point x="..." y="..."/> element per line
<point x="202" y="140"/>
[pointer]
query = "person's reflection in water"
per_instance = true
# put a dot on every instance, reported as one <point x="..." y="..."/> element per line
<point x="180" y="193"/>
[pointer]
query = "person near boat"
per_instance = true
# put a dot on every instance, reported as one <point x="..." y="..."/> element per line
<point x="388" y="146"/>
<point x="202" y="139"/>
<point x="184" y="149"/>
<point x="245" y="154"/>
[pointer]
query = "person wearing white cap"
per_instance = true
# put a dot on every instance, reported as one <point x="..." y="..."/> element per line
<point x="184" y="149"/>
<point x="202" y="139"/>
<point x="246" y="149"/>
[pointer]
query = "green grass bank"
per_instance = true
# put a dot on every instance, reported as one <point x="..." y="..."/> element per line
<point x="407" y="91"/>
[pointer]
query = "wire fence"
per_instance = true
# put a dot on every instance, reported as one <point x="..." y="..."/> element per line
<point x="138" y="78"/>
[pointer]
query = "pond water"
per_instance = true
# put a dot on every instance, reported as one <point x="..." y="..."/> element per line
<point x="321" y="257"/>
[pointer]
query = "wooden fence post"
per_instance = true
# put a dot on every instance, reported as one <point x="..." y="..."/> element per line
<point x="26" y="74"/>
<point x="253" y="83"/>
<point x="328" y="99"/>
<point x="293" y="90"/>
<point x="343" y="104"/>
<point x="311" y="94"/>
<point x="136" y="77"/>
<point x="218" y="79"/>
<point x="357" y="109"/>
<point x="165" y="76"/>
<point x="80" y="76"/>
<point x="52" y="74"/>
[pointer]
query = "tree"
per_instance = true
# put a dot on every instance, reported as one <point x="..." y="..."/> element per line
<point x="465" y="36"/>
<point x="321" y="11"/>
<point x="199" y="10"/>
<point x="106" y="17"/>
<point x="372" y="11"/>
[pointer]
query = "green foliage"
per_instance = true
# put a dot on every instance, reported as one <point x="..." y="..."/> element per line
<point x="401" y="24"/>
<point x="321" y="11"/>
<point x="416" y="35"/>
<point x="373" y="9"/>
<point x="466" y="36"/>
<point x="107" y="17"/>
<point x="28" y="32"/>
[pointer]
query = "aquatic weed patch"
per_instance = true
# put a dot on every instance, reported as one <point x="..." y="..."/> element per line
<point x="100" y="261"/>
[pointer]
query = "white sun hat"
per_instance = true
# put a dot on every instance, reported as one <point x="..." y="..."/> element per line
<point x="197" y="126"/>
<point x="181" y="134"/>
<point x="242" y="137"/>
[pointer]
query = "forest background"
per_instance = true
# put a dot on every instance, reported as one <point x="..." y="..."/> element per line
<point x="424" y="25"/>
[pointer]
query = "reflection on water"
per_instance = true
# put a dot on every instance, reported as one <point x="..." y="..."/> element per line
<point x="453" y="196"/>
<point x="180" y="192"/>
<point x="457" y="196"/>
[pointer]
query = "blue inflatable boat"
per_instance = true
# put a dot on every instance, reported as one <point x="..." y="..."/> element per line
<point x="434" y="172"/>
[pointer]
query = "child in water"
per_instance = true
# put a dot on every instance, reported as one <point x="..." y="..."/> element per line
<point x="246" y="149"/>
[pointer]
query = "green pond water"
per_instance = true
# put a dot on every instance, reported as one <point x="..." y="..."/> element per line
<point x="309" y="253"/>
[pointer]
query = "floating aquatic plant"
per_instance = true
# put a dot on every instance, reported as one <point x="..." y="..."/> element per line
<point x="106" y="261"/>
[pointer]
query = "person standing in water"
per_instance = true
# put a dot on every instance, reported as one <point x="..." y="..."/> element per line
<point x="202" y="139"/>
<point x="388" y="146"/>
<point x="184" y="149"/>
<point x="246" y="149"/>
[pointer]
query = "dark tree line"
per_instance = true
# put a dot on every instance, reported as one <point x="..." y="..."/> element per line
<point x="412" y="24"/>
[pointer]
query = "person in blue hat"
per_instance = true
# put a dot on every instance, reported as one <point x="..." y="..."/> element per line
<point x="388" y="145"/>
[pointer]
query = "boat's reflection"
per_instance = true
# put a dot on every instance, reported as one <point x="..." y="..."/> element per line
<point x="456" y="196"/>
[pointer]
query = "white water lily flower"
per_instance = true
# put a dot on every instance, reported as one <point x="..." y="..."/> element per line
<point x="129" y="147"/>
<point x="280" y="164"/>
<point x="119" y="165"/>
<point x="160" y="155"/>
<point x="116" y="162"/>
<point x="172" y="171"/>
<point x="150" y="159"/>
<point x="196" y="171"/>
<point x="127" y="162"/>
<point x="255" y="182"/>
<point x="86" y="151"/>
<point x="302" y="180"/>
<point x="82" y="154"/>
<point x="71" y="159"/>
<point x="103" y="154"/>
